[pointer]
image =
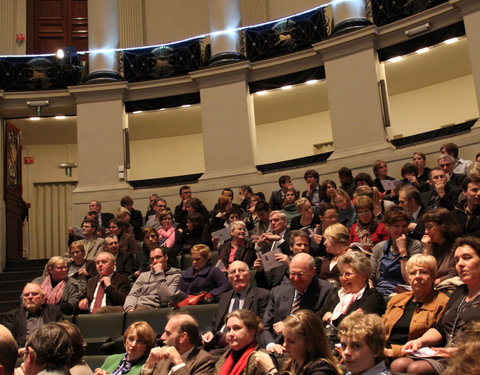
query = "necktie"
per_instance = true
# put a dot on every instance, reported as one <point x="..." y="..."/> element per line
<point x="296" y="302"/>
<point x="236" y="302"/>
<point x="98" y="298"/>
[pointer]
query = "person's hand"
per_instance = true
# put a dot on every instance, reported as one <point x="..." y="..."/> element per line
<point x="106" y="281"/>
<point x="327" y="316"/>
<point x="412" y="345"/>
<point x="82" y="272"/>
<point x="207" y="337"/>
<point x="282" y="258"/>
<point x="401" y="243"/>
<point x="165" y="352"/>
<point x="317" y="238"/>
<point x="440" y="186"/>
<point x="263" y="362"/>
<point x="388" y="352"/>
<point x="412" y="226"/>
<point x="258" y="264"/>
<point x="99" y="371"/>
<point x="276" y="349"/>
<point x="184" y="205"/>
<point x="21" y="369"/>
<point x="427" y="245"/>
<point x="446" y="352"/>
<point x="83" y="304"/>
<point x="278" y="328"/>
<point x="158" y="267"/>
<point x="136" y="274"/>
<point x="413" y="180"/>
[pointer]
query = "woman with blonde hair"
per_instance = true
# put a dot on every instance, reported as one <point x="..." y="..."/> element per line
<point x="336" y="241"/>
<point x="346" y="212"/>
<point x="307" y="218"/>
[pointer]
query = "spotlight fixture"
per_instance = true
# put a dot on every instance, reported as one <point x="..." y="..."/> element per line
<point x="418" y="29"/>
<point x="38" y="104"/>
<point x="68" y="55"/>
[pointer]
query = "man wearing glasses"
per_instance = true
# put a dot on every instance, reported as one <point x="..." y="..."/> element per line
<point x="154" y="220"/>
<point x="22" y="321"/>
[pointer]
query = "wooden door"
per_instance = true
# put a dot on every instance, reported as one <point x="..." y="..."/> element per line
<point x="52" y="24"/>
<point x="14" y="204"/>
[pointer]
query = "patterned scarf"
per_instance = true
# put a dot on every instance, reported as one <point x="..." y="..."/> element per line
<point x="52" y="295"/>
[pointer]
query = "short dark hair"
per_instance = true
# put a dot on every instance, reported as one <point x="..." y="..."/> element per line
<point x="196" y="203"/>
<point x="298" y="233"/>
<point x="311" y="173"/>
<point x="184" y="187"/>
<point x="126" y="200"/>
<point x="93" y="213"/>
<point x="412" y="193"/>
<point x="473" y="178"/>
<point x="119" y="223"/>
<point x="326" y="207"/>
<point x="262" y="206"/>
<point x="364" y="177"/>
<point x="409" y="168"/>
<point x="51" y="345"/>
<point x="232" y="211"/>
<point x="451" y="148"/>
<point x="93" y="223"/>
<point x="283" y="179"/>
<point x="472" y="241"/>
<point x="345" y="172"/>
<point x="394" y="214"/>
<point x="246" y="188"/>
<point x="230" y="190"/>
<point x="438" y="169"/>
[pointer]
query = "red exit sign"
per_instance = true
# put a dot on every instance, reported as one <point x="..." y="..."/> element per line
<point x="28" y="160"/>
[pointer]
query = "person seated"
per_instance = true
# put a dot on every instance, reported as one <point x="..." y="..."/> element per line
<point x="242" y="296"/>
<point x="277" y="198"/>
<point x="460" y="166"/>
<point x="409" y="173"/>
<point x="252" y="218"/>
<point x="440" y="193"/>
<point x="441" y="230"/>
<point x="58" y="288"/>
<point x="155" y="287"/>
<point x="76" y="364"/>
<point x="346" y="212"/>
<point x="107" y="291"/>
<point x="217" y="221"/>
<point x="462" y="307"/>
<point x="153" y="221"/>
<point x="152" y="240"/>
<point x="243" y="327"/>
<point x="139" y="339"/>
<point x="355" y="292"/>
<point x="202" y="278"/>
<point x="363" y="179"/>
<point x="328" y="215"/>
<point x="327" y="188"/>
<point x="380" y="171"/>
<point x="288" y="206"/>
<point x="367" y="231"/>
<point x="380" y="205"/>
<point x="150" y="208"/>
<point x="362" y="339"/>
<point x="238" y="247"/>
<point x="307" y="348"/>
<point x="446" y="162"/>
<point x="23" y="320"/>
<point x="196" y="232"/>
<point x="231" y="215"/>
<point x="466" y="359"/>
<point x="166" y="234"/>
<point x="262" y="210"/>
<point x="135" y="217"/>
<point x="347" y="182"/>
<point x="278" y="235"/>
<point x="423" y="172"/>
<point x="79" y="268"/>
<point x="389" y="257"/>
<point x="307" y="218"/>
<point x="304" y="291"/>
<point x="467" y="211"/>
<point x="336" y="240"/>
<point x="124" y="262"/>
<point x="126" y="242"/>
<point x="410" y="199"/>
<point x="179" y="354"/>
<point x="194" y="205"/>
<point x="410" y="314"/>
<point x="313" y="192"/>
<point x="91" y="242"/>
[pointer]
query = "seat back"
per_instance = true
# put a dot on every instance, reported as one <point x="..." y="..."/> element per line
<point x="157" y="318"/>
<point x="203" y="313"/>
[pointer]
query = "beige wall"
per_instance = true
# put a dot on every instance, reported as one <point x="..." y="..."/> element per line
<point x="450" y="102"/>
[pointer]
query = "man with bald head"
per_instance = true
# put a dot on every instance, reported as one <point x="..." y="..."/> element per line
<point x="8" y="352"/>
<point x="179" y="355"/>
<point x="304" y="291"/>
<point x="23" y="320"/>
<point x="241" y="296"/>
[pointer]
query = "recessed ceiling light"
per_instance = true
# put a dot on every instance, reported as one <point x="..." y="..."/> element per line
<point x="263" y="92"/>
<point x="395" y="59"/>
<point x="186" y="105"/>
<point x="60" y="117"/>
<point x="287" y="87"/>
<point x="423" y="50"/>
<point x="34" y="118"/>
<point x="311" y="82"/>
<point x="136" y="112"/>
<point x="162" y="109"/>
<point x="451" y="40"/>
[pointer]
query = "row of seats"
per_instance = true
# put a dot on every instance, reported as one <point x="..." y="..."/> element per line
<point x="103" y="333"/>
<point x="185" y="261"/>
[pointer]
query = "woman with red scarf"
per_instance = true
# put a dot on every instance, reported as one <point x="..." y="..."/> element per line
<point x="242" y="326"/>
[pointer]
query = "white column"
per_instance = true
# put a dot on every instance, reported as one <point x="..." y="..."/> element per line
<point x="225" y="15"/>
<point x="349" y="15"/>
<point x="103" y="34"/>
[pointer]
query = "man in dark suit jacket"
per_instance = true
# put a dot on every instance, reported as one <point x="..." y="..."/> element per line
<point x="441" y="193"/>
<point x="103" y="217"/>
<point x="179" y="356"/>
<point x="278" y="196"/>
<point x="124" y="262"/>
<point x="410" y="199"/>
<point x="305" y="291"/>
<point x="113" y="285"/>
<point x="22" y="321"/>
<point x="242" y="296"/>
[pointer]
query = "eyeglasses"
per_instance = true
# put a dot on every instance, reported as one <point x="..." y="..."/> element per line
<point x="298" y="274"/>
<point x="348" y="275"/>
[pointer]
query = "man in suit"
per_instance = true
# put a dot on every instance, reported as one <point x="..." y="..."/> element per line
<point x="124" y="262"/>
<point x="91" y="242"/>
<point x="179" y="356"/>
<point x="410" y="199"/>
<point x="278" y="196"/>
<point x="103" y="217"/>
<point x="446" y="162"/>
<point x="441" y="193"/>
<point x="277" y="237"/>
<point x="107" y="291"/>
<point x="22" y="321"/>
<point x="242" y="296"/>
<point x="304" y="291"/>
<point x="185" y="194"/>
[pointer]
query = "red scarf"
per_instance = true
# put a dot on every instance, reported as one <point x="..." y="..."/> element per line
<point x="51" y="295"/>
<point x="227" y="369"/>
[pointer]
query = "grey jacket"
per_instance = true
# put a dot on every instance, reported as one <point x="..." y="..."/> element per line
<point x="152" y="289"/>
